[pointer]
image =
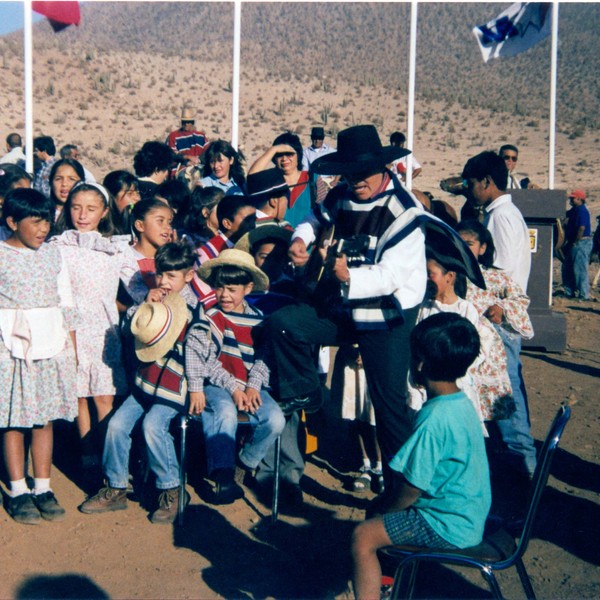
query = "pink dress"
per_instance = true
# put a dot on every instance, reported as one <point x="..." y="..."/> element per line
<point x="96" y="265"/>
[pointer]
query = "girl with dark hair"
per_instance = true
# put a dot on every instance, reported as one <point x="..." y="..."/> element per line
<point x="223" y="169"/>
<point x="11" y="178"/>
<point x="286" y="154"/>
<point x="65" y="173"/>
<point x="97" y="262"/>
<point x="199" y="220"/>
<point x="504" y="304"/>
<point x="123" y="187"/>
<point x="38" y="379"/>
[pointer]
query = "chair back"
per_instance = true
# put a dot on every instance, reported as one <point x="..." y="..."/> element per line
<point x="540" y="479"/>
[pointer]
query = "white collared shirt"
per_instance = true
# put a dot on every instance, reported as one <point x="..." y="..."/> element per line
<point x="511" y="238"/>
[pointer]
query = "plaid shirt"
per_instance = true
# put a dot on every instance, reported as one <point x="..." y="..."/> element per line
<point x="41" y="183"/>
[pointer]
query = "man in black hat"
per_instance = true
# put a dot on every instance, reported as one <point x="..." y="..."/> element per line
<point x="380" y="287"/>
<point x="317" y="147"/>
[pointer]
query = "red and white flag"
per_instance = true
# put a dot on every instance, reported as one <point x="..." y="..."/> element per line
<point x="59" y="14"/>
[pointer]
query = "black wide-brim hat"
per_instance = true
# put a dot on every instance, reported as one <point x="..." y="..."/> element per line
<point x="359" y="150"/>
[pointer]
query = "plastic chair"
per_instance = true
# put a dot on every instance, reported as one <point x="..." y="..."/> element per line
<point x="244" y="421"/>
<point x="499" y="550"/>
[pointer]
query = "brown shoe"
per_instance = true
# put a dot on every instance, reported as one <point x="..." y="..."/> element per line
<point x="168" y="503"/>
<point x="106" y="500"/>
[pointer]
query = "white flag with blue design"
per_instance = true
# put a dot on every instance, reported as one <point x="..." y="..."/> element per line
<point x="518" y="28"/>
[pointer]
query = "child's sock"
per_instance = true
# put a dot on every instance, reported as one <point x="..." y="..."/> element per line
<point x="378" y="466"/>
<point x="366" y="463"/>
<point x="19" y="487"/>
<point x="41" y="486"/>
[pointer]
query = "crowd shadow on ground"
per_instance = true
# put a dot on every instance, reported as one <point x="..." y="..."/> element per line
<point x="65" y="585"/>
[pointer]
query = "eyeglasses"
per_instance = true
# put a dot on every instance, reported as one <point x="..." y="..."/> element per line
<point x="510" y="157"/>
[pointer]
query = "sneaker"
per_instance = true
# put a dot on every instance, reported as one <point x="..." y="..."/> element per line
<point x="168" y="506"/>
<point x="106" y="500"/>
<point x="309" y="404"/>
<point x="23" y="510"/>
<point x="227" y="493"/>
<point x="377" y="481"/>
<point x="363" y="481"/>
<point x="48" y="506"/>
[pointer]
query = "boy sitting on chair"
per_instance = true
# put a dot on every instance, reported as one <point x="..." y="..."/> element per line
<point x="220" y="352"/>
<point x="446" y="495"/>
<point x="159" y="327"/>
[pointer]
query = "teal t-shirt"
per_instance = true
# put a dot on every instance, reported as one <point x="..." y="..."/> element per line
<point x="445" y="458"/>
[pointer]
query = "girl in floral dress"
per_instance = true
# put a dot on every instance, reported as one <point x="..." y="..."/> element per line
<point x="37" y="357"/>
<point x="504" y="304"/>
<point x="97" y="262"/>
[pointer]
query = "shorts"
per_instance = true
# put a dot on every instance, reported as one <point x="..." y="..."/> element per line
<point x="408" y="527"/>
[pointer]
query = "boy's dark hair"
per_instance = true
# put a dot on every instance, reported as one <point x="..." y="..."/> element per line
<point x="484" y="164"/>
<point x="229" y="206"/>
<point x="230" y="275"/>
<point x="44" y="143"/>
<point x="153" y="156"/>
<point x="175" y="191"/>
<point x="397" y="139"/>
<point x="483" y="235"/>
<point x="174" y="256"/>
<point x="291" y="139"/>
<point x="14" y="140"/>
<point x="446" y="344"/>
<point x="21" y="203"/>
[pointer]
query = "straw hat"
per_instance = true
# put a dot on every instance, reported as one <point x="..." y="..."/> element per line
<point x="157" y="325"/>
<point x="263" y="233"/>
<point x="187" y="114"/>
<point x="234" y="258"/>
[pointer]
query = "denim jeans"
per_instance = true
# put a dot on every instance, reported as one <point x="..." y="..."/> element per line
<point x="159" y="442"/>
<point x="515" y="431"/>
<point x="220" y="421"/>
<point x="575" y="276"/>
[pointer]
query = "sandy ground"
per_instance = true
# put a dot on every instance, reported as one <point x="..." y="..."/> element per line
<point x="235" y="552"/>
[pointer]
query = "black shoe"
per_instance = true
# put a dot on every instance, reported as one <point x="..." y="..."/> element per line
<point x="48" y="506"/>
<point x="227" y="493"/>
<point x="309" y="404"/>
<point x="23" y="510"/>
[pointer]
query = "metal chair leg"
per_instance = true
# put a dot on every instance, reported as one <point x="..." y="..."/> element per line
<point x="488" y="575"/>
<point x="182" y="478"/>
<point x="525" y="581"/>
<point x="275" y="511"/>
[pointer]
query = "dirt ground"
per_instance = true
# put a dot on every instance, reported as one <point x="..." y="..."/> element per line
<point x="235" y="552"/>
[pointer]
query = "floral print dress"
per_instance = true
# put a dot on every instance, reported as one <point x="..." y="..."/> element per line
<point x="35" y="392"/>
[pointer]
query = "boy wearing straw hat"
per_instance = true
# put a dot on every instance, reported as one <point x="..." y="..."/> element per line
<point x="224" y="373"/>
<point x="159" y="327"/>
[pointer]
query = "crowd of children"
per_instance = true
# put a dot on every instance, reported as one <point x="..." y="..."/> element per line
<point x="141" y="310"/>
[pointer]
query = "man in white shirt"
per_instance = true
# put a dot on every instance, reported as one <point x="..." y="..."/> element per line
<point x="486" y="176"/>
<point x="317" y="148"/>
<point x="15" y="154"/>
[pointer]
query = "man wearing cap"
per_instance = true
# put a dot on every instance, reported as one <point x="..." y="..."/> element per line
<point x="577" y="248"/>
<point x="186" y="141"/>
<point x="378" y="294"/>
<point x="317" y="147"/>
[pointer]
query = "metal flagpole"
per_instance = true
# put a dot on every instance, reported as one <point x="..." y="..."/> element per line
<point x="235" y="105"/>
<point x="553" y="77"/>
<point x="411" y="90"/>
<point x="28" y="56"/>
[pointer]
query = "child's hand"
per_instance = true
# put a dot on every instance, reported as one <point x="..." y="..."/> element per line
<point x="197" y="402"/>
<point x="155" y="295"/>
<point x="494" y="314"/>
<point x="240" y="400"/>
<point x="254" y="400"/>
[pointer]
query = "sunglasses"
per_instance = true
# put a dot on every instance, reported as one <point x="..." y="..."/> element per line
<point x="510" y="157"/>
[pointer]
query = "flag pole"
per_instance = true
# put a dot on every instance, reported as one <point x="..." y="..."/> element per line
<point x="553" y="78"/>
<point x="235" y="89"/>
<point x="28" y="57"/>
<point x="411" y="90"/>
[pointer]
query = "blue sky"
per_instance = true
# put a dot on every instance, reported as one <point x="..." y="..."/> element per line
<point x="11" y="17"/>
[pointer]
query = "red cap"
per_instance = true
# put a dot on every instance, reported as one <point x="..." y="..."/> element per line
<point x="579" y="194"/>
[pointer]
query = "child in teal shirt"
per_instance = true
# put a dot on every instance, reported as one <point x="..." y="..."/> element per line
<point x="445" y="497"/>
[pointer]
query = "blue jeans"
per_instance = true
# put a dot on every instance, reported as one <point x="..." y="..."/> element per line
<point x="515" y="431"/>
<point x="575" y="275"/>
<point x="159" y="442"/>
<point x="220" y="421"/>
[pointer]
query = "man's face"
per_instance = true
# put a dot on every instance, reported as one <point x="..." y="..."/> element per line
<point x="478" y="190"/>
<point x="187" y="125"/>
<point x="74" y="154"/>
<point x="317" y="143"/>
<point x="364" y="185"/>
<point x="510" y="158"/>
<point x="575" y="201"/>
